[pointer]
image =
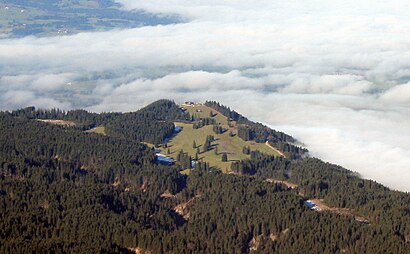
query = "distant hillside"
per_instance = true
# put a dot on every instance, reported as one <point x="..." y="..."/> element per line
<point x="66" y="187"/>
<point x="61" y="17"/>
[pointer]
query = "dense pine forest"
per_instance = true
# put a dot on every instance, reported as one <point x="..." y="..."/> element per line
<point x="64" y="189"/>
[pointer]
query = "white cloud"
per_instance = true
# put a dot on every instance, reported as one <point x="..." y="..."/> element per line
<point x="37" y="82"/>
<point x="337" y="84"/>
<point x="333" y="74"/>
<point x="398" y="95"/>
<point x="20" y="99"/>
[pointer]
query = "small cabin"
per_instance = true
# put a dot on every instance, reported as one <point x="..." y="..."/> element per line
<point x="189" y="103"/>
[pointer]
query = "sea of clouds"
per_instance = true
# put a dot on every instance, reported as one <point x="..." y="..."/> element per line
<point x="334" y="75"/>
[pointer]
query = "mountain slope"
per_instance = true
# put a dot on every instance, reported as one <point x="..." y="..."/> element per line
<point x="63" y="190"/>
<point x="224" y="132"/>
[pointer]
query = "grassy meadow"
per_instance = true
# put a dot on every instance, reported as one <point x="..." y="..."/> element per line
<point x="224" y="143"/>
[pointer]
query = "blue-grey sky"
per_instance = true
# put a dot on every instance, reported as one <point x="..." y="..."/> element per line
<point x="335" y="75"/>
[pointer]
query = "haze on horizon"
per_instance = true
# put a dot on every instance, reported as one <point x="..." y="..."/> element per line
<point x="334" y="75"/>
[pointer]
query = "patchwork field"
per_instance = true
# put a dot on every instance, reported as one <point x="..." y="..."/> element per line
<point x="20" y="18"/>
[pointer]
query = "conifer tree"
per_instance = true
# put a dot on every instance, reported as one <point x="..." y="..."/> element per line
<point x="207" y="144"/>
<point x="224" y="157"/>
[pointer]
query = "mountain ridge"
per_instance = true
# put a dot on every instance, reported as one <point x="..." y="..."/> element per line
<point x="65" y="190"/>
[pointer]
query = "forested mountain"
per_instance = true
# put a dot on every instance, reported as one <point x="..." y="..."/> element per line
<point x="64" y="190"/>
<point x="152" y="123"/>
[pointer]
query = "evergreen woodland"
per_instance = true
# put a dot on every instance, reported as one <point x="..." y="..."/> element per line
<point x="63" y="190"/>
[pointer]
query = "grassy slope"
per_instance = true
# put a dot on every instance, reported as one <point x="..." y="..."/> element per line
<point x="231" y="145"/>
<point x="205" y="112"/>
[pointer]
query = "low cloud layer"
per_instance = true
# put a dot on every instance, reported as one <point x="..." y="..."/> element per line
<point x="336" y="76"/>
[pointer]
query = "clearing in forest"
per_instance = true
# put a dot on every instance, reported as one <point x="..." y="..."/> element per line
<point x="57" y="122"/>
<point x="224" y="143"/>
<point x="342" y="211"/>
<point x="202" y="111"/>
<point x="286" y="183"/>
<point x="99" y="130"/>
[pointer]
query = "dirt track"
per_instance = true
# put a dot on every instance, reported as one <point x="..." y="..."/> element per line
<point x="276" y="150"/>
